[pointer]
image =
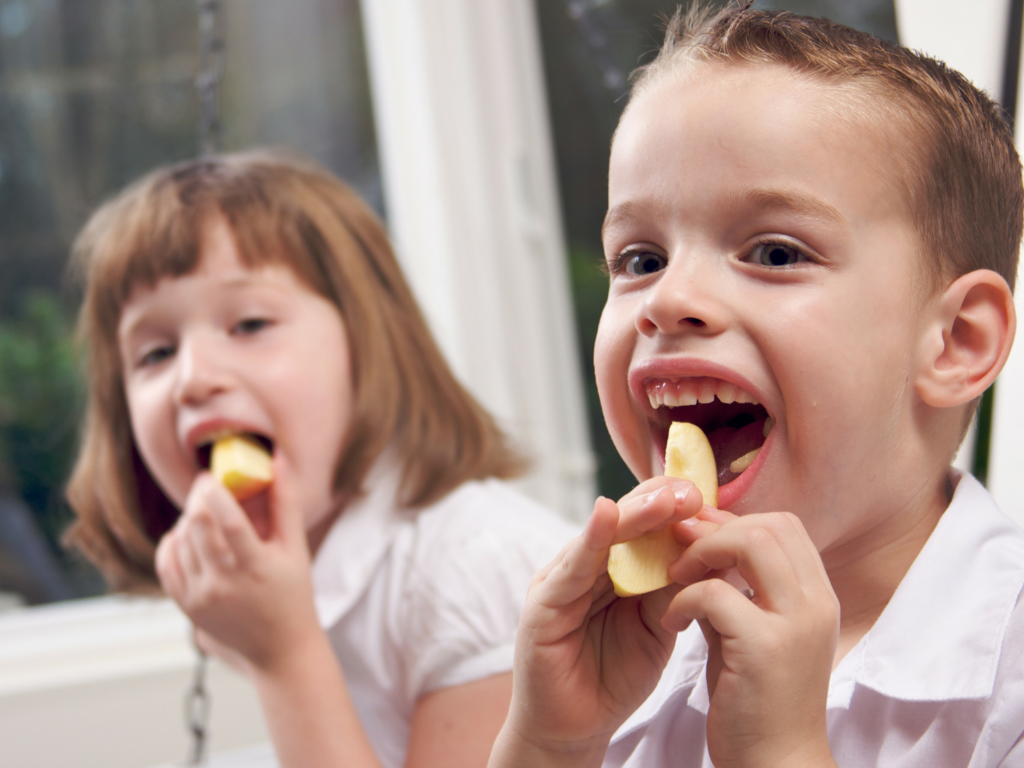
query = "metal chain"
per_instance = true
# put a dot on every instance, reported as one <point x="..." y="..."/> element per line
<point x="197" y="712"/>
<point x="211" y="69"/>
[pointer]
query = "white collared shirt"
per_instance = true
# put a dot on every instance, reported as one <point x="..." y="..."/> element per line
<point x="938" y="680"/>
<point x="418" y="600"/>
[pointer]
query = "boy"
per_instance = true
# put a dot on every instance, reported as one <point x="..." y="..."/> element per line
<point x="812" y="238"/>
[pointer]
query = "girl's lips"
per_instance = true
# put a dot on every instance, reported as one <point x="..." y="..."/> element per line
<point x="200" y="437"/>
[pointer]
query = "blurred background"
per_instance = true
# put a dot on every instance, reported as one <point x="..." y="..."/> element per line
<point x="478" y="129"/>
<point x="94" y="93"/>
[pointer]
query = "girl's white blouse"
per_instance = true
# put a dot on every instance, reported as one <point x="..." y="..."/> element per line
<point x="418" y="600"/>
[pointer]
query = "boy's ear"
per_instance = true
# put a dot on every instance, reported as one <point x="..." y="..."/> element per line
<point x="967" y="340"/>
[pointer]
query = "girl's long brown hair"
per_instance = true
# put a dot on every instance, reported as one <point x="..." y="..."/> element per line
<point x="281" y="209"/>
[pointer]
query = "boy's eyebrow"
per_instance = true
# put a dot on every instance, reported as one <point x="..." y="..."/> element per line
<point x="622" y="213"/>
<point x="795" y="202"/>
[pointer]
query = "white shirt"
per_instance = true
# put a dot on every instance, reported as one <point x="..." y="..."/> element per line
<point x="937" y="681"/>
<point x="418" y="600"/>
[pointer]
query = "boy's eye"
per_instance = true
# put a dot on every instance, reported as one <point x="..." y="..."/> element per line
<point x="639" y="263"/>
<point x="250" y="325"/>
<point x="776" y="255"/>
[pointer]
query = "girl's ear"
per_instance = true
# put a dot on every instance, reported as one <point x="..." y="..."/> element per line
<point x="967" y="341"/>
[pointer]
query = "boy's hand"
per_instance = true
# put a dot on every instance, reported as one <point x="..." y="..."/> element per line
<point x="248" y="592"/>
<point x="586" y="659"/>
<point x="770" y="655"/>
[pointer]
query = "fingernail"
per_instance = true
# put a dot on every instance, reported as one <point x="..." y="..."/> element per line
<point x="650" y="497"/>
<point x="681" y="490"/>
<point x="690" y="522"/>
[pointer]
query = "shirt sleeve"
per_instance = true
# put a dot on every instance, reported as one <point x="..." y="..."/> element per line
<point x="471" y="568"/>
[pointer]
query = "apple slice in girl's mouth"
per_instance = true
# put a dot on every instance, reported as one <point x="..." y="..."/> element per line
<point x="242" y="464"/>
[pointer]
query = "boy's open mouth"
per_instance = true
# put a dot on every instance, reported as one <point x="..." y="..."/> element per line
<point x="735" y="423"/>
<point x="205" y="448"/>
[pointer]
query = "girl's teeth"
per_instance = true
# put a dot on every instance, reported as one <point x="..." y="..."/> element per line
<point x="726" y="393"/>
<point x="768" y="424"/>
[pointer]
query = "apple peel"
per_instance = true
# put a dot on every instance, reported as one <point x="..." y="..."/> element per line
<point x="641" y="565"/>
<point x="242" y="465"/>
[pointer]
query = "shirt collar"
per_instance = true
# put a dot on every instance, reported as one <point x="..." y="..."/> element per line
<point x="940" y="636"/>
<point x="358" y="540"/>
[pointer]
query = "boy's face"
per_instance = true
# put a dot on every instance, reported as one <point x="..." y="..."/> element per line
<point x="760" y="251"/>
<point x="230" y="349"/>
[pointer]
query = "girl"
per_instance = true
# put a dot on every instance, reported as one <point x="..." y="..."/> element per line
<point x="256" y="294"/>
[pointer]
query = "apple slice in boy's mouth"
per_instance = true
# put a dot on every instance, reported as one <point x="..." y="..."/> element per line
<point x="735" y="423"/>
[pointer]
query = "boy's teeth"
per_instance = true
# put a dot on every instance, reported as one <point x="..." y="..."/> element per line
<point x="690" y="391"/>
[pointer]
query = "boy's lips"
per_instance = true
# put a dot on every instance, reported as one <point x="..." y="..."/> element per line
<point x="728" y="412"/>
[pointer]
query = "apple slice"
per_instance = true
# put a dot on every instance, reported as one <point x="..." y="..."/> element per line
<point x="242" y="465"/>
<point x="641" y="565"/>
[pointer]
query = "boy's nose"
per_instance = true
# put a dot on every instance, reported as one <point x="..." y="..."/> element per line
<point x="202" y="372"/>
<point x="683" y="300"/>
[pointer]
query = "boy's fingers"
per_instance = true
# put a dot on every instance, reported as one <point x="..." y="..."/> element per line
<point x="656" y="509"/>
<point x="754" y="551"/>
<point x="574" y="571"/>
<point x="713" y="600"/>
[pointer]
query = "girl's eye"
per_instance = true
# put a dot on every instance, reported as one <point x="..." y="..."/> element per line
<point x="639" y="263"/>
<point x="250" y="325"/>
<point x="155" y="356"/>
<point x="776" y="255"/>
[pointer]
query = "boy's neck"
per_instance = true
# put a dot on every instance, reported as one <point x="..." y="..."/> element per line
<point x="866" y="572"/>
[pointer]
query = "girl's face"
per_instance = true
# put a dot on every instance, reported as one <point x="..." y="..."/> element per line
<point x="233" y="349"/>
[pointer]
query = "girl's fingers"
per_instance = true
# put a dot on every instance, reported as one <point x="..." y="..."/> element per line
<point x="168" y="569"/>
<point x="210" y="544"/>
<point x="212" y="503"/>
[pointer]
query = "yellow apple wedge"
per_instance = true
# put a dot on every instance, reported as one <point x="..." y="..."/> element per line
<point x="641" y="565"/>
<point x="242" y="465"/>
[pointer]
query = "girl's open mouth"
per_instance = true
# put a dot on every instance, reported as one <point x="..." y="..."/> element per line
<point x="205" y="447"/>
<point x="735" y="423"/>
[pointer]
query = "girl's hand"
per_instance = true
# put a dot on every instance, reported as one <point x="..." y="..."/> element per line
<point x="586" y="659"/>
<point x="770" y="654"/>
<point x="249" y="596"/>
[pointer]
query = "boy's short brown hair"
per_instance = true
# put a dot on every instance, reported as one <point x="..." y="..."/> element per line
<point x="281" y="209"/>
<point x="959" y="168"/>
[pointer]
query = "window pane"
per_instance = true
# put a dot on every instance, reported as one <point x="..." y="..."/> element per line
<point x="93" y="93"/>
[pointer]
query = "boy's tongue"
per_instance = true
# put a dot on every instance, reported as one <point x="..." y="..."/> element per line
<point x="730" y="444"/>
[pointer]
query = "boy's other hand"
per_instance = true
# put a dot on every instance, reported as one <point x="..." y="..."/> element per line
<point x="586" y="659"/>
<point x="770" y="653"/>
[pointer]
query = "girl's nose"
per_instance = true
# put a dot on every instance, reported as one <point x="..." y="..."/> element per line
<point x="202" y="372"/>
<point x="683" y="300"/>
